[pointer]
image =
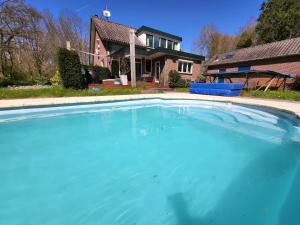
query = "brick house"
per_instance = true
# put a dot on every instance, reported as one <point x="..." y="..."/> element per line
<point x="281" y="56"/>
<point x="157" y="52"/>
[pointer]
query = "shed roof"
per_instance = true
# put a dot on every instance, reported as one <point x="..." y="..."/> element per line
<point x="289" y="47"/>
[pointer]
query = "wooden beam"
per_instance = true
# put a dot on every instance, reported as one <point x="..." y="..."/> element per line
<point x="132" y="58"/>
<point x="269" y="84"/>
<point x="284" y="84"/>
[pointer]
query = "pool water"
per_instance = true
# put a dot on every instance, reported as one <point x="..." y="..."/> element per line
<point x="149" y="162"/>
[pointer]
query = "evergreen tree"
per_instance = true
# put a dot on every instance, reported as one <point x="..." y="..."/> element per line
<point x="279" y="20"/>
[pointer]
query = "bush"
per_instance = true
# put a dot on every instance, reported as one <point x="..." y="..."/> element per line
<point x="201" y="79"/>
<point x="296" y="84"/>
<point x="17" y="78"/>
<point x="56" y="79"/>
<point x="175" y="80"/>
<point x="70" y="68"/>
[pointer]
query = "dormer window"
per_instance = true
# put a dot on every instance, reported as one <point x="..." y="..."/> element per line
<point x="156" y="42"/>
<point x="175" y="46"/>
<point x="149" y="41"/>
<point x="163" y="43"/>
<point x="170" y="44"/>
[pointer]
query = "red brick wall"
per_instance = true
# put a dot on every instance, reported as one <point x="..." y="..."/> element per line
<point x="102" y="59"/>
<point x="171" y="63"/>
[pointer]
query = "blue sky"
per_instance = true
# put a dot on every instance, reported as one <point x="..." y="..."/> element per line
<point x="184" y="18"/>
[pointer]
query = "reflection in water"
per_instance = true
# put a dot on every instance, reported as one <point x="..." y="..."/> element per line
<point x="248" y="199"/>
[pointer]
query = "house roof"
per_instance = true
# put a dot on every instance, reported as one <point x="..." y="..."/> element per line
<point x="289" y="47"/>
<point x="167" y="51"/>
<point x="155" y="31"/>
<point x="114" y="32"/>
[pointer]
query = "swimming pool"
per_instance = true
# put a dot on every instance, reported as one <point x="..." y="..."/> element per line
<point x="148" y="162"/>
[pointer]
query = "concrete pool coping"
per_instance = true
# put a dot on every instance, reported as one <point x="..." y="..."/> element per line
<point x="283" y="105"/>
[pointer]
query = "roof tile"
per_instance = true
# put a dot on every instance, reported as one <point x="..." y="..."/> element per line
<point x="111" y="31"/>
<point x="276" y="49"/>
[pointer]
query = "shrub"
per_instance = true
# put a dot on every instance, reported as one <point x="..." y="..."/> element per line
<point x="70" y="68"/>
<point x="296" y="84"/>
<point x="18" y="78"/>
<point x="174" y="79"/>
<point x="56" y="79"/>
<point x="201" y="79"/>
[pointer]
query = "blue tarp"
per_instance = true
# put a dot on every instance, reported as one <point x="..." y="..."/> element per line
<point x="223" y="89"/>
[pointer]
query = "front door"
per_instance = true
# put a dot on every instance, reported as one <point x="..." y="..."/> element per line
<point x="157" y="71"/>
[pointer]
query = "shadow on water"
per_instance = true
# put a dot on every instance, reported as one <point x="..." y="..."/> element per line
<point x="254" y="196"/>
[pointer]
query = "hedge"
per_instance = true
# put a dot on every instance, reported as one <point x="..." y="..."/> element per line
<point x="70" y="68"/>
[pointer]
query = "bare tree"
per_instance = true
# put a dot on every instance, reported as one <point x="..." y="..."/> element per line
<point x="29" y="40"/>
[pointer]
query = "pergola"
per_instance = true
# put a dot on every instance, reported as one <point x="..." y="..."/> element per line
<point x="248" y="74"/>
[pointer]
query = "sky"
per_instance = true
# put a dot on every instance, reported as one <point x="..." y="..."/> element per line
<point x="184" y="18"/>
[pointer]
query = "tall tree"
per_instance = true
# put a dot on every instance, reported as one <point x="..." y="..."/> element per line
<point x="211" y="42"/>
<point x="279" y="20"/>
<point x="247" y="36"/>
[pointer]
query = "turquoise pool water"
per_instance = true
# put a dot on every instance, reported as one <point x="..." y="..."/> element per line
<point x="149" y="162"/>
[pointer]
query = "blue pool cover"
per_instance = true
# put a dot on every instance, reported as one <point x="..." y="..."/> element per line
<point x="216" y="89"/>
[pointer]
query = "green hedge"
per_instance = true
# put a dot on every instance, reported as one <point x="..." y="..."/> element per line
<point x="70" y="68"/>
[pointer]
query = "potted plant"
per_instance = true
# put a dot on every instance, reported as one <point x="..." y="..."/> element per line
<point x="124" y="69"/>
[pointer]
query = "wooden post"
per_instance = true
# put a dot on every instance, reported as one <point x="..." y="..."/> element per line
<point x="68" y="45"/>
<point x="284" y="83"/>
<point x="132" y="58"/>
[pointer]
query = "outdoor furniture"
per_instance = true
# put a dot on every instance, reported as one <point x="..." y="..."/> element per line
<point x="271" y="77"/>
<point x="147" y="77"/>
<point x="223" y="89"/>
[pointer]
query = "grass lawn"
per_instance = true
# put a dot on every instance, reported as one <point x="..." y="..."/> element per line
<point x="6" y="93"/>
<point x="182" y="89"/>
<point x="286" y="95"/>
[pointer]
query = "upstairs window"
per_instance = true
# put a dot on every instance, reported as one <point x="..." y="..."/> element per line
<point x="175" y="46"/>
<point x="163" y="43"/>
<point x="156" y="42"/>
<point x="244" y="68"/>
<point x="185" y="66"/>
<point x="148" y="66"/>
<point x="149" y="40"/>
<point x="170" y="44"/>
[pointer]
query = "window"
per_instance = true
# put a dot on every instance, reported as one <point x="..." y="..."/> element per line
<point x="149" y="40"/>
<point x="244" y="68"/>
<point x="175" y="46"/>
<point x="170" y="44"/>
<point x="185" y="66"/>
<point x="148" y="66"/>
<point x="163" y="43"/>
<point x="156" y="42"/>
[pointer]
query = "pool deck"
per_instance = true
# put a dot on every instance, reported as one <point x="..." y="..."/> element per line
<point x="289" y="106"/>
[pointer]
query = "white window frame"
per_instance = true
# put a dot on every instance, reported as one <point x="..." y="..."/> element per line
<point x="185" y="61"/>
<point x="152" y="40"/>
<point x="146" y="66"/>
